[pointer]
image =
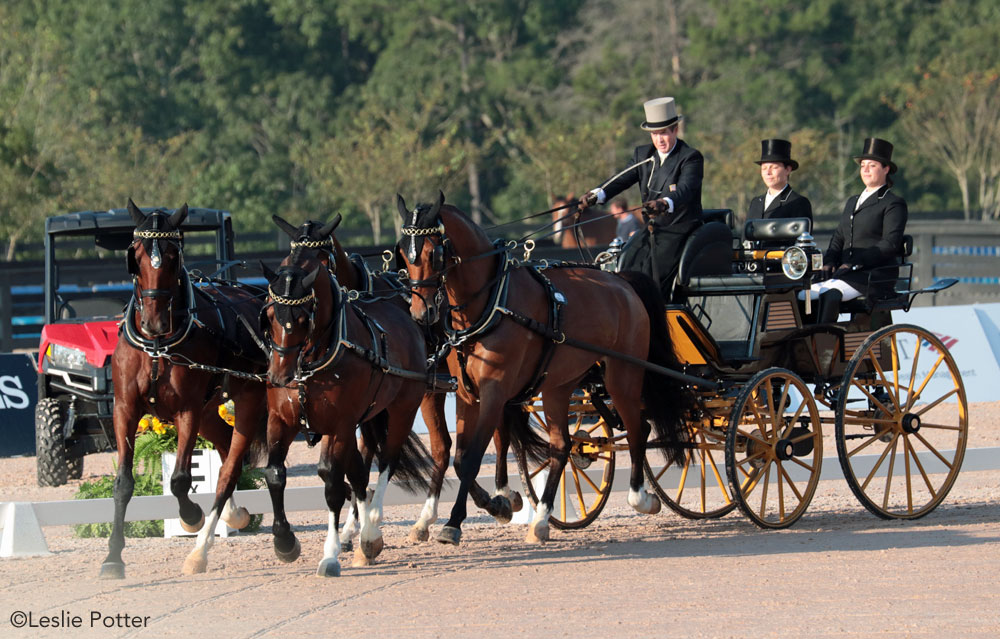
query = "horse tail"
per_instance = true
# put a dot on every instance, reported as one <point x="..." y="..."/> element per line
<point x="667" y="401"/>
<point x="413" y="464"/>
<point x="522" y="435"/>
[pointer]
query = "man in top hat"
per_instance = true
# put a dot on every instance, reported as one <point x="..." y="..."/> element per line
<point x="780" y="201"/>
<point x="669" y="175"/>
<point x="868" y="242"/>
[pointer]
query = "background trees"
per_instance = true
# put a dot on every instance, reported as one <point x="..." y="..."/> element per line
<point x="309" y="107"/>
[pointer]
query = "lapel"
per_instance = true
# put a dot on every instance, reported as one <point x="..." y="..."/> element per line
<point x="873" y="199"/>
<point x="659" y="184"/>
<point x="780" y="199"/>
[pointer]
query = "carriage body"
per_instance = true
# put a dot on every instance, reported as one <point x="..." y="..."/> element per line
<point x="781" y="380"/>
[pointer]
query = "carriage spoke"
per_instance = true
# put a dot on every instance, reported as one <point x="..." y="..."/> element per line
<point x="541" y="467"/>
<point x="718" y="478"/>
<point x="913" y="377"/>
<point x="802" y="463"/>
<point x="881" y="374"/>
<point x="868" y="442"/>
<point x="937" y="401"/>
<point x="791" y="484"/>
<point x="881" y="459"/>
<point x="923" y="473"/>
<point x="895" y="368"/>
<point x="880" y="405"/>
<point x="860" y="420"/>
<point x="589" y="481"/>
<point x="579" y="490"/>
<point x="562" y="494"/>
<point x="913" y="398"/>
<point x="763" y="496"/>
<point x="888" y="479"/>
<point x="924" y="425"/>
<point x="909" y="480"/>
<point x="933" y="450"/>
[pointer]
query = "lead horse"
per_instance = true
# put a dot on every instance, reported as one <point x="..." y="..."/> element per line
<point x="336" y="363"/>
<point x="511" y="327"/>
<point x="353" y="274"/>
<point x="181" y="352"/>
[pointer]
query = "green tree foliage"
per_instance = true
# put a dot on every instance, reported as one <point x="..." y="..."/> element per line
<point x="299" y="107"/>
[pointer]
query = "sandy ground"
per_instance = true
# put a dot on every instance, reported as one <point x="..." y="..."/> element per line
<point x="838" y="572"/>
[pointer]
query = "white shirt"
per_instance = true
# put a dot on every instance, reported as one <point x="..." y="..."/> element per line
<point x="864" y="196"/>
<point x="768" y="198"/>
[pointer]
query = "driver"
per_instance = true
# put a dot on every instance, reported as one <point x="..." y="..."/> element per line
<point x="669" y="174"/>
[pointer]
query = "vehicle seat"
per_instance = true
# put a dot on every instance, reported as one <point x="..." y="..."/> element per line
<point x="888" y="285"/>
<point x="776" y="232"/>
<point x="709" y="251"/>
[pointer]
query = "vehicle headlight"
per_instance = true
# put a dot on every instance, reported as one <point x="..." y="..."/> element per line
<point x="66" y="357"/>
<point x="794" y="263"/>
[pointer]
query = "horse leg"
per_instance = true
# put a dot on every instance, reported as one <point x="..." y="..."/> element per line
<point x="475" y="425"/>
<point x="357" y="477"/>
<point x="352" y="525"/>
<point x="555" y="402"/>
<point x="504" y="500"/>
<point x="432" y="410"/>
<point x="335" y="493"/>
<point x="191" y="515"/>
<point x="622" y="383"/>
<point x="249" y="399"/>
<point x="286" y="546"/>
<point x="126" y="423"/>
<point x="241" y="436"/>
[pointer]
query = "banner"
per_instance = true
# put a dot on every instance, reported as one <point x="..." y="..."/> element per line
<point x="18" y="394"/>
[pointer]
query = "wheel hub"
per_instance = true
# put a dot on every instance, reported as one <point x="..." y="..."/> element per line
<point x="910" y="423"/>
<point x="579" y="458"/>
<point x="784" y="449"/>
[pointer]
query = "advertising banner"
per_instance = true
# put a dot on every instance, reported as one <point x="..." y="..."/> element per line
<point x="18" y="394"/>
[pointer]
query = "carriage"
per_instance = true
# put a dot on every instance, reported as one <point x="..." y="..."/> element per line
<point x="775" y="389"/>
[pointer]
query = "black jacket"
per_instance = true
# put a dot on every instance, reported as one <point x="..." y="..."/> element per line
<point x="679" y="178"/>
<point x="869" y="238"/>
<point x="788" y="204"/>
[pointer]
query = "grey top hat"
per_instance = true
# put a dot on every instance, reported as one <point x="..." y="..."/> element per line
<point x="776" y="150"/>
<point x="660" y="113"/>
<point x="879" y="150"/>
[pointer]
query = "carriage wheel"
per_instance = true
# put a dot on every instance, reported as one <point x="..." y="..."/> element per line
<point x="585" y="484"/>
<point x="774" y="448"/>
<point x="902" y="423"/>
<point x="697" y="488"/>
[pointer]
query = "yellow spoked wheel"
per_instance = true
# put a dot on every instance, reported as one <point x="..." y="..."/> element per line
<point x="902" y="422"/>
<point x="697" y="488"/>
<point x="774" y="448"/>
<point x="586" y="479"/>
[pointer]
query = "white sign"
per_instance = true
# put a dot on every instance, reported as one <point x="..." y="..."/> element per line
<point x="205" y="465"/>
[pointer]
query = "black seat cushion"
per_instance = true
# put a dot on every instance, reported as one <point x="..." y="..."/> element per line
<point x="719" y="215"/>
<point x="709" y="251"/>
<point x="786" y="229"/>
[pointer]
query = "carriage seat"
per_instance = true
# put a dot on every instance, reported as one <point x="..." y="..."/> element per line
<point x="719" y="215"/>
<point x="783" y="231"/>
<point x="708" y="251"/>
<point x="886" y="295"/>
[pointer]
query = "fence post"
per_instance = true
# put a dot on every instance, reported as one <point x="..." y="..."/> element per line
<point x="6" y="315"/>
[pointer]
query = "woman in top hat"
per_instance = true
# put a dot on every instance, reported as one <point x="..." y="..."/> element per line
<point x="868" y="241"/>
<point x="669" y="175"/>
<point x="780" y="201"/>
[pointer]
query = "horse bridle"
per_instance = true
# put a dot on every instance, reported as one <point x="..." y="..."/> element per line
<point x="156" y="261"/>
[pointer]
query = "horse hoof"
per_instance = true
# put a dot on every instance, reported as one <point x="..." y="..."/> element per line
<point x="239" y="519"/>
<point x="372" y="549"/>
<point x="500" y="508"/>
<point x="516" y="503"/>
<point x="328" y="568"/>
<point x="346" y="546"/>
<point x="360" y="560"/>
<point x="449" y="535"/>
<point x="657" y="505"/>
<point x="194" y="565"/>
<point x="193" y="528"/>
<point x="112" y="570"/>
<point x="537" y="535"/>
<point x="290" y="555"/>
<point x="419" y="534"/>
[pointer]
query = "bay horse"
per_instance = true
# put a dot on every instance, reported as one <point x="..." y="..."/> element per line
<point x="353" y="274"/>
<point x="336" y="363"/>
<point x="512" y="326"/>
<point x="173" y="344"/>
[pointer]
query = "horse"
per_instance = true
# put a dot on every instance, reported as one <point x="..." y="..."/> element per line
<point x="354" y="274"/>
<point x="181" y="352"/>
<point x="520" y="330"/>
<point x="336" y="363"/>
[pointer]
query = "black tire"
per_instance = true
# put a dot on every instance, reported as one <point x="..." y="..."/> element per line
<point x="74" y="467"/>
<point x="50" y="447"/>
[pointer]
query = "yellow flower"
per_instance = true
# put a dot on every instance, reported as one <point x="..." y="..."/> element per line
<point x="144" y="424"/>
<point x="227" y="412"/>
<point x="158" y="427"/>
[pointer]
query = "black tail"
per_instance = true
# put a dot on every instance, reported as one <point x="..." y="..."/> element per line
<point x="414" y="464"/>
<point x="668" y="402"/>
<point x="522" y="435"/>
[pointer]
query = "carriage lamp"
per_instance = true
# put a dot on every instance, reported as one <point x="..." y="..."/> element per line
<point x="808" y="244"/>
<point x="65" y="357"/>
<point x="794" y="263"/>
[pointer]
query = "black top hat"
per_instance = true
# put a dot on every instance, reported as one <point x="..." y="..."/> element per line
<point x="879" y="150"/>
<point x="777" y="151"/>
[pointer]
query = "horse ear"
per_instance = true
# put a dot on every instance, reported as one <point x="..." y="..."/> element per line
<point x="401" y="207"/>
<point x="308" y="280"/>
<point x="286" y="227"/>
<point x="326" y="230"/>
<point x="269" y="275"/>
<point x="178" y="217"/>
<point x="437" y="207"/>
<point x="137" y="216"/>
